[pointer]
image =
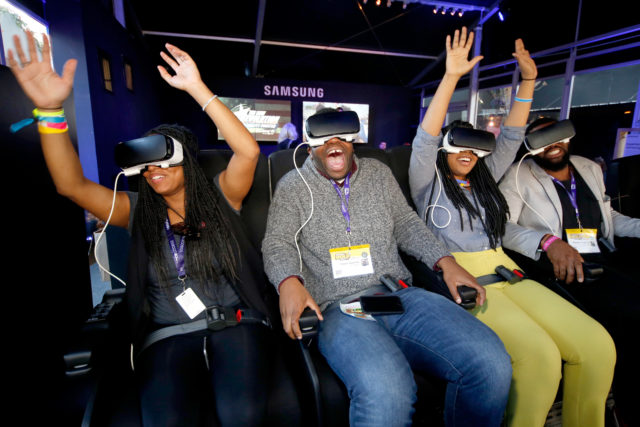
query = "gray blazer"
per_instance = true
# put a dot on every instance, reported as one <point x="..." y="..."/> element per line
<point x="525" y="228"/>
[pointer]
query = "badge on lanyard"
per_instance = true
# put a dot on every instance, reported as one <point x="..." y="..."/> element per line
<point x="583" y="240"/>
<point x="190" y="303"/>
<point x="188" y="300"/>
<point x="351" y="261"/>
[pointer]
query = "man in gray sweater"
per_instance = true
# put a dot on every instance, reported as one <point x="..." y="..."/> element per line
<point x="358" y="213"/>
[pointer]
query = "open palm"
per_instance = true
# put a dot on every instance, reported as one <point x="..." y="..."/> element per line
<point x="186" y="70"/>
<point x="40" y="83"/>
<point x="458" y="52"/>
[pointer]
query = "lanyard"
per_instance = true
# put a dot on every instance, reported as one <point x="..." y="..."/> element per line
<point x="573" y="196"/>
<point x="344" y="203"/>
<point x="176" y="251"/>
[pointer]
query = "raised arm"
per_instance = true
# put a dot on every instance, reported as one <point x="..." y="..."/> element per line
<point x="457" y="66"/>
<point x="528" y="71"/>
<point x="48" y="90"/>
<point x="236" y="180"/>
<point x="425" y="144"/>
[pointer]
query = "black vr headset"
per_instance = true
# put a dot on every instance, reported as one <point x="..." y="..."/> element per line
<point x="561" y="131"/>
<point x="459" y="139"/>
<point x="153" y="150"/>
<point x="320" y="128"/>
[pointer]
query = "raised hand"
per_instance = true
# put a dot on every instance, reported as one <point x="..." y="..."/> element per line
<point x="40" y="83"/>
<point x="458" y="63"/>
<point x="528" y="69"/>
<point x="187" y="75"/>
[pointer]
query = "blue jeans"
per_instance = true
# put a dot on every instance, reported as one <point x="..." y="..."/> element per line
<point x="433" y="335"/>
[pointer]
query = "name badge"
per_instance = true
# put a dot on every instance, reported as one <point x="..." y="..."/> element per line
<point x="353" y="261"/>
<point x="354" y="309"/>
<point x="583" y="240"/>
<point x="190" y="303"/>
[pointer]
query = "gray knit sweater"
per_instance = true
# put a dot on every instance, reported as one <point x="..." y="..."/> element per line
<point x="380" y="217"/>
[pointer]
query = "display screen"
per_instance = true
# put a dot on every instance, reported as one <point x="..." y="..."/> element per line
<point x="263" y="118"/>
<point x="627" y="143"/>
<point x="309" y="108"/>
<point x="14" y="19"/>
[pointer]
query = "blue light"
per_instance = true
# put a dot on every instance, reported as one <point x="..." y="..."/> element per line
<point x="501" y="16"/>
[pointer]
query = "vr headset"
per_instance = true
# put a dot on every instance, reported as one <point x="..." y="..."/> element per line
<point x="561" y="131"/>
<point x="460" y="139"/>
<point x="320" y="128"/>
<point x="153" y="150"/>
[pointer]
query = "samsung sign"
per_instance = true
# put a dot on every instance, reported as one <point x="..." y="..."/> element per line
<point x="294" y="91"/>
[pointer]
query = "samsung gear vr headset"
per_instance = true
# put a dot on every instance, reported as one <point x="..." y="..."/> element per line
<point x="321" y="128"/>
<point x="154" y="150"/>
<point x="538" y="140"/>
<point x="459" y="139"/>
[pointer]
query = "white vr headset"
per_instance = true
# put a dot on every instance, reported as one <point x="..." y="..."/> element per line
<point x="560" y="132"/>
<point x="459" y="139"/>
<point x="154" y="150"/>
<point x="321" y="128"/>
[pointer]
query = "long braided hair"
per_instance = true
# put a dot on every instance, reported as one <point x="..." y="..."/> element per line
<point x="208" y="256"/>
<point x="484" y="190"/>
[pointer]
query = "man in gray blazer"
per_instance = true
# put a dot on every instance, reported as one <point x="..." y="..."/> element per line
<point x="560" y="219"/>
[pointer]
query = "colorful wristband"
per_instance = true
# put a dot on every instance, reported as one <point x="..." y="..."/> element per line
<point x="548" y="242"/>
<point x="523" y="99"/>
<point x="51" y="122"/>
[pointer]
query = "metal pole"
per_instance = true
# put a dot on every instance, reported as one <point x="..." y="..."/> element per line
<point x="473" y="84"/>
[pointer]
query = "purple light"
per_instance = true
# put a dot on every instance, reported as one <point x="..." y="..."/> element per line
<point x="501" y="16"/>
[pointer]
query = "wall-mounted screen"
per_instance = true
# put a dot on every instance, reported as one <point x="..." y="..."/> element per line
<point x="309" y="108"/>
<point x="263" y="118"/>
<point x="14" y="19"/>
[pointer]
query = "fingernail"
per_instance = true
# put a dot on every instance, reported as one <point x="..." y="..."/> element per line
<point x="458" y="300"/>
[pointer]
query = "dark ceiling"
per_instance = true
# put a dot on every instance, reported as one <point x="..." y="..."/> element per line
<point x="353" y="24"/>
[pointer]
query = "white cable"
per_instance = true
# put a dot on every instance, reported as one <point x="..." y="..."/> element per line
<point x="435" y="204"/>
<point x="295" y="237"/>
<point x="525" y="202"/>
<point x="104" y="230"/>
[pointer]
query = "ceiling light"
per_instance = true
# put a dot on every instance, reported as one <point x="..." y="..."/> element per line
<point x="388" y="3"/>
<point x="404" y="5"/>
<point x="460" y="13"/>
<point x="443" y="11"/>
<point x="453" y="11"/>
<point x="501" y="16"/>
<point x="435" y="10"/>
<point x="378" y="2"/>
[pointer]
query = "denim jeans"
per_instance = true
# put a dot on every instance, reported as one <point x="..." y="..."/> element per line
<point x="433" y="335"/>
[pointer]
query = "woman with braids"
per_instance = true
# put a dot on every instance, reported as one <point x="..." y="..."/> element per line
<point x="539" y="329"/>
<point x="178" y="215"/>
